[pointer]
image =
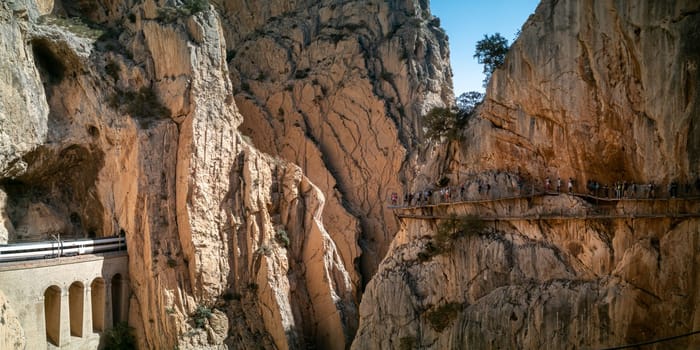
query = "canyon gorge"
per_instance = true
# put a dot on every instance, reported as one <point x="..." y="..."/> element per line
<point x="247" y="152"/>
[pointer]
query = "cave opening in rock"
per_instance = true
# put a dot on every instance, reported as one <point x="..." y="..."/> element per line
<point x="51" y="68"/>
<point x="56" y="195"/>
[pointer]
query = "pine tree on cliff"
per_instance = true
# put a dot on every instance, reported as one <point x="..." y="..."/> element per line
<point x="491" y="52"/>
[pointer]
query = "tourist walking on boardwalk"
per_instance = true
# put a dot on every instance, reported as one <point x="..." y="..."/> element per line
<point x="570" y="186"/>
<point x="547" y="185"/>
<point x="558" y="184"/>
<point x="394" y="198"/>
<point x="623" y="188"/>
<point x="461" y="192"/>
<point x="520" y="186"/>
<point x="596" y="186"/>
<point x="673" y="189"/>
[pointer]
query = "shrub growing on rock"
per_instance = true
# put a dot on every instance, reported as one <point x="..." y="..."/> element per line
<point x="441" y="316"/>
<point x="442" y="122"/>
<point x="120" y="337"/>
<point x="282" y="238"/>
<point x="201" y="315"/>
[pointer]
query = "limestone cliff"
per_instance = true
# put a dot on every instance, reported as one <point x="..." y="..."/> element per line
<point x="594" y="90"/>
<point x="118" y="118"/>
<point x="338" y="87"/>
<point x="11" y="332"/>
<point x="598" y="90"/>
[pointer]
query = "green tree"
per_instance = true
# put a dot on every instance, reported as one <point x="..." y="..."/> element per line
<point x="444" y="122"/>
<point x="491" y="52"/>
<point x="468" y="101"/>
<point x="120" y="337"/>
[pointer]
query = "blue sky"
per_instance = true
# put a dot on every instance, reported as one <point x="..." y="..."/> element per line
<point x="466" y="22"/>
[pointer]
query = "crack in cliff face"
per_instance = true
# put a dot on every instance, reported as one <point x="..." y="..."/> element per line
<point x="594" y="90"/>
<point x="365" y="87"/>
<point x="203" y="220"/>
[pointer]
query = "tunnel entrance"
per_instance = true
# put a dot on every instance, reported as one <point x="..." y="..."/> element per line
<point x="52" y="314"/>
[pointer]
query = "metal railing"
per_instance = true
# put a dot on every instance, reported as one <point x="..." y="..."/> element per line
<point x="59" y="248"/>
<point x="593" y="207"/>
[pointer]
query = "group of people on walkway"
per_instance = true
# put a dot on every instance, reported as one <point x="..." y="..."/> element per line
<point x="518" y="188"/>
<point x="446" y="194"/>
<point x="633" y="190"/>
<point x="548" y="185"/>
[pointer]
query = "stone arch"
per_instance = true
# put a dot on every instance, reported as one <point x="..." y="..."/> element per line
<point x="97" y="298"/>
<point x="52" y="314"/>
<point x="76" y="305"/>
<point x="117" y="298"/>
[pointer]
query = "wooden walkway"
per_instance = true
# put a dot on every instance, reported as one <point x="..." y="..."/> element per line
<point x="603" y="208"/>
<point x="556" y="216"/>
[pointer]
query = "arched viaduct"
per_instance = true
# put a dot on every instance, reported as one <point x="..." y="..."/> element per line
<point x="67" y="302"/>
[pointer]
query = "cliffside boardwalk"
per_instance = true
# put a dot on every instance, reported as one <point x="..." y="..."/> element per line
<point x="530" y="205"/>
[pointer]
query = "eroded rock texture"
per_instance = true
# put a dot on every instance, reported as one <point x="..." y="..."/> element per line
<point x="129" y="127"/>
<point x="338" y="87"/>
<point x="11" y="332"/>
<point x="598" y="90"/>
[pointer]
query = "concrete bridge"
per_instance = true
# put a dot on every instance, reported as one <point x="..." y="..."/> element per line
<point x="67" y="302"/>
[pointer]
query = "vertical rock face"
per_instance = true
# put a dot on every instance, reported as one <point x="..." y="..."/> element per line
<point x="22" y="96"/>
<point x="11" y="332"/>
<point x="134" y="132"/>
<point x="598" y="90"/>
<point x="338" y="88"/>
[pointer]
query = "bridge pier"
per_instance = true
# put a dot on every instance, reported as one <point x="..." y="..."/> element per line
<point x="87" y="309"/>
<point x="108" y="312"/>
<point x="64" y="316"/>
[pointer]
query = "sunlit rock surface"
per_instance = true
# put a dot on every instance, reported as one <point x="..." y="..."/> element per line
<point x="339" y="88"/>
<point x="594" y="90"/>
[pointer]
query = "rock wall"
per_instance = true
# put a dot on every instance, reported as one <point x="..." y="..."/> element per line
<point x="597" y="90"/>
<point x="11" y="331"/>
<point x="129" y="126"/>
<point x="594" y="90"/>
<point x="535" y="284"/>
<point x="21" y="96"/>
<point x="338" y="87"/>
